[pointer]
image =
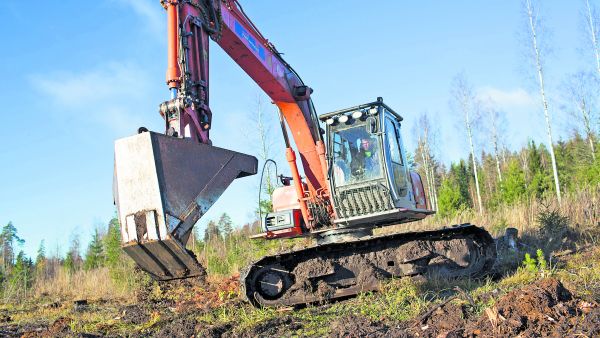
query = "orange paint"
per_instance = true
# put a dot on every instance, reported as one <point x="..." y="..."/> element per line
<point x="321" y="152"/>
<point x="290" y="155"/>
<point x="173" y="72"/>
<point x="313" y="169"/>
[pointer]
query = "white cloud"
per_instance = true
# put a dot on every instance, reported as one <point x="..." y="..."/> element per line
<point x="113" y="95"/>
<point x="508" y="100"/>
<point x="521" y="116"/>
<point x="150" y="12"/>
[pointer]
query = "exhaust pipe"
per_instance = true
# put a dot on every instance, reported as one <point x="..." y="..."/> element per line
<point x="162" y="186"/>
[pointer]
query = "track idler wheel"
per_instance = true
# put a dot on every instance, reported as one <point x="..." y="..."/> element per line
<point x="270" y="283"/>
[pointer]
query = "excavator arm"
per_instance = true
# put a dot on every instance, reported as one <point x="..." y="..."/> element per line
<point x="190" y="25"/>
<point x="165" y="183"/>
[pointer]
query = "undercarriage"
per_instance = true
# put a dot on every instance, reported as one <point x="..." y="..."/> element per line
<point x="337" y="270"/>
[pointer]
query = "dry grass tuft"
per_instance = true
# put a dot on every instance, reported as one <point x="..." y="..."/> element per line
<point x="92" y="284"/>
<point x="582" y="209"/>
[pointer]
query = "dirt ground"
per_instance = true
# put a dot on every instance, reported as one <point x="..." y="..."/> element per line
<point x="544" y="308"/>
<point x="538" y="307"/>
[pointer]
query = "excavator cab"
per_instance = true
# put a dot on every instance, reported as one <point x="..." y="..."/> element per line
<point x="370" y="179"/>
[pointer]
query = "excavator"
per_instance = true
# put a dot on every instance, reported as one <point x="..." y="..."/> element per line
<point x="355" y="178"/>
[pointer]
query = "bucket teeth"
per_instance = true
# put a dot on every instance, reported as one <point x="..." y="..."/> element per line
<point x="162" y="186"/>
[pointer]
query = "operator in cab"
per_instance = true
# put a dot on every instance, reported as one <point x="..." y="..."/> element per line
<point x="358" y="157"/>
<point x="367" y="158"/>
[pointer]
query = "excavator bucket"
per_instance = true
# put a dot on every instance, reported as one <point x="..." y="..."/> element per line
<point x="162" y="186"/>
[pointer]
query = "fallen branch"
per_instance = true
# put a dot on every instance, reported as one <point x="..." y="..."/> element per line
<point x="428" y="313"/>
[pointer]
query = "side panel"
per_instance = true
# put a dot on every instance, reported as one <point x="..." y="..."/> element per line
<point x="418" y="190"/>
<point x="136" y="184"/>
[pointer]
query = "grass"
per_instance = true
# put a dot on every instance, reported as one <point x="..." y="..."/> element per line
<point x="398" y="300"/>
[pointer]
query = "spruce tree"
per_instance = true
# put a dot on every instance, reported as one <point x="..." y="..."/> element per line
<point x="539" y="181"/>
<point x="41" y="260"/>
<point x="461" y="175"/>
<point x="454" y="195"/>
<point x="112" y="244"/>
<point x="69" y="262"/>
<point x="94" y="257"/>
<point x="21" y="276"/>
<point x="512" y="188"/>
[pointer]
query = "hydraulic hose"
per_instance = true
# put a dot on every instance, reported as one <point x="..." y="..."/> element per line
<point x="260" y="187"/>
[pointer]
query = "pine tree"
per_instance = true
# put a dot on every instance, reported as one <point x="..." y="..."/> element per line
<point x="8" y="242"/>
<point x="41" y="253"/>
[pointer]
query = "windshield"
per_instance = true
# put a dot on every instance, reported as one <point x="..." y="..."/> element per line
<point x="356" y="156"/>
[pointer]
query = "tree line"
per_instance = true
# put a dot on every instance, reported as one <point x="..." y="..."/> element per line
<point x="493" y="175"/>
<point x="19" y="273"/>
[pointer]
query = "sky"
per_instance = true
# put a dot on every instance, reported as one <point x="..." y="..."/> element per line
<point x="79" y="74"/>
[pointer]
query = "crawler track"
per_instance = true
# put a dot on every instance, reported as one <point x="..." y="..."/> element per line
<point x="339" y="270"/>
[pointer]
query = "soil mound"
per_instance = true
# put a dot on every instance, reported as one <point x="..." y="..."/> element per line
<point x="358" y="326"/>
<point x="545" y="308"/>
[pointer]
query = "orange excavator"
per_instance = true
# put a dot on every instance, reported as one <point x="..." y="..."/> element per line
<point x="355" y="178"/>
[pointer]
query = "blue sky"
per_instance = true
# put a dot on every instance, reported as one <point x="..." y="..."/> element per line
<point x="77" y="75"/>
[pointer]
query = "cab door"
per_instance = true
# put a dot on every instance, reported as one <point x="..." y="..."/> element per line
<point x="395" y="161"/>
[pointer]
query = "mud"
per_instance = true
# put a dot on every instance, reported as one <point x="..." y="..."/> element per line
<point x="276" y="327"/>
<point x="215" y="331"/>
<point x="183" y="327"/>
<point x="545" y="308"/>
<point x="59" y="328"/>
<point x="5" y="318"/>
<point x="358" y="326"/>
<point x="135" y="314"/>
<point x="448" y="320"/>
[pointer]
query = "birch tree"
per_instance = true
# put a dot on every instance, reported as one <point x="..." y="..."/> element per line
<point x="495" y="120"/>
<point x="263" y="132"/>
<point x="592" y="28"/>
<point x="579" y="93"/>
<point x="533" y="21"/>
<point x="259" y="132"/>
<point x="466" y="102"/>
<point x="424" y="154"/>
